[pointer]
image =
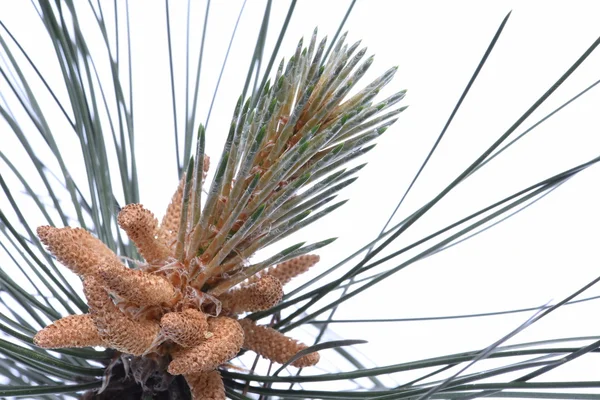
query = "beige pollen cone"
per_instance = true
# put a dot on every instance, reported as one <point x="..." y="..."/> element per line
<point x="206" y="385"/>
<point x="225" y="342"/>
<point x="274" y="345"/>
<point x="118" y="330"/>
<point x="70" y="331"/>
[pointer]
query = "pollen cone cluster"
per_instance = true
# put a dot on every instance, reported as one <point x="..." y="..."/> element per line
<point x="139" y="312"/>
<point x="280" y="169"/>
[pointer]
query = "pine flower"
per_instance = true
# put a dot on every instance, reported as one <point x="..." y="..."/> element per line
<point x="70" y="331"/>
<point x="280" y="164"/>
<point x="141" y="227"/>
<point x="262" y="295"/>
<point x="286" y="271"/>
<point x="76" y="248"/>
<point x="274" y="345"/>
<point x="118" y="330"/>
<point x="224" y="343"/>
<point x="206" y="385"/>
<point x="186" y="328"/>
<point x="170" y="222"/>
<point x="137" y="286"/>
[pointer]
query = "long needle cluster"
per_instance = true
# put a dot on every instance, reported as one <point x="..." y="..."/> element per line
<point x="279" y="170"/>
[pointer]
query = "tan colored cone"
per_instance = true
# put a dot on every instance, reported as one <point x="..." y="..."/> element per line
<point x="169" y="225"/>
<point x="274" y="345"/>
<point x="139" y="287"/>
<point x="142" y="228"/>
<point x="206" y="385"/>
<point x="262" y="295"/>
<point x="118" y="330"/>
<point x="288" y="270"/>
<point x="76" y="248"/>
<point x="226" y="341"/>
<point x="186" y="328"/>
<point x="70" y="331"/>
